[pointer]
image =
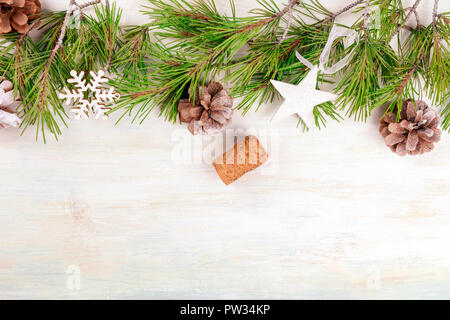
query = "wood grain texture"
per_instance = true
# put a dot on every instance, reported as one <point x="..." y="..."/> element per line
<point x="340" y="216"/>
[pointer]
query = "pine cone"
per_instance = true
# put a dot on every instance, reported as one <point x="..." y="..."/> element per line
<point x="213" y="111"/>
<point x="16" y="14"/>
<point x="8" y="115"/>
<point x="417" y="131"/>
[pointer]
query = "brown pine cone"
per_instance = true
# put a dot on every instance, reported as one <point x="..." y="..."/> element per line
<point x="416" y="132"/>
<point x="16" y="14"/>
<point x="211" y="113"/>
<point x="8" y="114"/>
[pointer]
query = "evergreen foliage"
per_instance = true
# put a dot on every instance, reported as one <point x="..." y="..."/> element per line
<point x="188" y="43"/>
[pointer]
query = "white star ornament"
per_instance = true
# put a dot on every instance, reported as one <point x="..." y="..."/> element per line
<point x="301" y="99"/>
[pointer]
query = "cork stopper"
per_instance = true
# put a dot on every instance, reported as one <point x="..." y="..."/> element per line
<point x="246" y="155"/>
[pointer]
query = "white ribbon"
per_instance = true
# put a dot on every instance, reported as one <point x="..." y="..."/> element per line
<point x="335" y="33"/>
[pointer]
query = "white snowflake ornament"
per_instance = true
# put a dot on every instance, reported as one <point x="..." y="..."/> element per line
<point x="92" y="97"/>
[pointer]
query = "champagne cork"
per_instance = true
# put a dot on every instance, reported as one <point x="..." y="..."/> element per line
<point x="246" y="155"/>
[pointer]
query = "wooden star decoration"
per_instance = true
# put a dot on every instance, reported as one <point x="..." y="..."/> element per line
<point x="302" y="98"/>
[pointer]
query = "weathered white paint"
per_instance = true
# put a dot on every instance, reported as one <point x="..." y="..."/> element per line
<point x="342" y="217"/>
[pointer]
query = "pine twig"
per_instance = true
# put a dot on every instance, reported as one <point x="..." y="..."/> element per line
<point x="291" y="6"/>
<point x="108" y="62"/>
<point x="194" y="16"/>
<point x="53" y="54"/>
<point x="58" y="46"/>
<point x="345" y="9"/>
<point x="435" y="15"/>
<point x="418" y="25"/>
<point x="367" y="15"/>
<point x="413" y="9"/>
<point x="18" y="44"/>
<point x="409" y="75"/>
<point x="366" y="18"/>
<point x="144" y="93"/>
<point x="88" y="4"/>
<point x="278" y="15"/>
<point x="62" y="33"/>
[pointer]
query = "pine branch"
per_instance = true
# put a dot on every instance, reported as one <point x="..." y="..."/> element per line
<point x="344" y="9"/>
<point x="19" y="71"/>
<point x="88" y="4"/>
<point x="228" y="35"/>
<point x="366" y="16"/>
<point x="399" y="90"/>
<point x="360" y="79"/>
<point x="435" y="6"/>
<point x="62" y="34"/>
<point x="404" y="82"/>
<point x="41" y="69"/>
<point x="291" y="5"/>
<point x="131" y="58"/>
<point x="413" y="9"/>
<point x="268" y="20"/>
<point x="418" y="25"/>
<point x="43" y="97"/>
<point x="436" y="81"/>
<point x="194" y="43"/>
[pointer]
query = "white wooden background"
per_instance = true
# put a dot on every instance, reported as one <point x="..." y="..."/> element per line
<point x="342" y="217"/>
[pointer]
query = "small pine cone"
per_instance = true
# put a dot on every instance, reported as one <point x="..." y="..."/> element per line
<point x="213" y="111"/>
<point x="16" y="15"/>
<point x="8" y="115"/>
<point x="416" y="132"/>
